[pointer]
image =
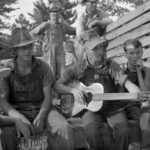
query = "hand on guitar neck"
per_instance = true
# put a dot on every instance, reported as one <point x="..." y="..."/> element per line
<point x="92" y="97"/>
<point x="144" y="96"/>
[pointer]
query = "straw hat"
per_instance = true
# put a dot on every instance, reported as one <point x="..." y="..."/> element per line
<point x="21" y="37"/>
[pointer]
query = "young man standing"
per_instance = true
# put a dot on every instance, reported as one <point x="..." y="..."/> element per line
<point x="25" y="91"/>
<point x="96" y="68"/>
<point x="53" y="32"/>
<point x="139" y="75"/>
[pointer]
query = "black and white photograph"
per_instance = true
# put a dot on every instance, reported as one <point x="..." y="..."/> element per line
<point x="74" y="75"/>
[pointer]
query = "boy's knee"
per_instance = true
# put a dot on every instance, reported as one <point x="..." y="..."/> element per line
<point x="91" y="129"/>
<point x="121" y="129"/>
<point x="11" y="134"/>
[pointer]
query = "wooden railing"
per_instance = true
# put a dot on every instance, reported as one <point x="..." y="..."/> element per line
<point x="135" y="24"/>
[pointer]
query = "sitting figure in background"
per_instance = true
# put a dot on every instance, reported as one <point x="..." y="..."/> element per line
<point x="25" y="91"/>
<point x="53" y="32"/>
<point x="140" y="76"/>
<point x="92" y="18"/>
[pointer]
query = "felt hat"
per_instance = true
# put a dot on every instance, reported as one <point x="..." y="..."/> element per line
<point x="21" y="37"/>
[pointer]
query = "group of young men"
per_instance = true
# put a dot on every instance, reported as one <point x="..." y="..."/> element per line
<point x="26" y="88"/>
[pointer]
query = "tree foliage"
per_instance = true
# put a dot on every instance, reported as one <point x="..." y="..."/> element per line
<point x="5" y="9"/>
<point x="22" y="21"/>
<point x="120" y="7"/>
<point x="40" y="11"/>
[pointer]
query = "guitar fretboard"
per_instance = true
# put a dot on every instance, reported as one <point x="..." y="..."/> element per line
<point x="115" y="96"/>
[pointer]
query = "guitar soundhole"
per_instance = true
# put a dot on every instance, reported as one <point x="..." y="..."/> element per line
<point x="88" y="97"/>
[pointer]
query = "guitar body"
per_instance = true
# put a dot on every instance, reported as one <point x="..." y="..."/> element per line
<point x="93" y="106"/>
<point x="76" y="107"/>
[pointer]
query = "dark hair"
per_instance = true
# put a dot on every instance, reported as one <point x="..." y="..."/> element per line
<point x="136" y="43"/>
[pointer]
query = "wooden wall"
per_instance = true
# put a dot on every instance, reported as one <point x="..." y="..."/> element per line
<point x="135" y="24"/>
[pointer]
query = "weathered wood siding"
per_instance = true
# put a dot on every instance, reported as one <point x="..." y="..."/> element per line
<point x="135" y="24"/>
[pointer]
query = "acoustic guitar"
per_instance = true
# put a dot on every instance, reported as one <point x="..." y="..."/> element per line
<point x="93" y="98"/>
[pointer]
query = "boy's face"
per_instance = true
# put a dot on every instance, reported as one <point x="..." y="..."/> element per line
<point x="25" y="52"/>
<point x="133" y="54"/>
<point x="54" y="17"/>
<point x="96" y="54"/>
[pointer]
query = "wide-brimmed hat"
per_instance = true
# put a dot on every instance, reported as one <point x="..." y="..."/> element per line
<point x="91" y="39"/>
<point x="21" y="37"/>
<point x="55" y="7"/>
<point x="84" y="1"/>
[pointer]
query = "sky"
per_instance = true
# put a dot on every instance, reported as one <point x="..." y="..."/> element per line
<point x="24" y="6"/>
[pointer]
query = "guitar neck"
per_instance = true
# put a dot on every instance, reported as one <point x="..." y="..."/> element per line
<point x="116" y="96"/>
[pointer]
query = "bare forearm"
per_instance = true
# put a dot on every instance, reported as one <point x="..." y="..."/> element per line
<point x="141" y="82"/>
<point x="44" y="108"/>
<point x="132" y="88"/>
<point x="10" y="111"/>
<point x="61" y="88"/>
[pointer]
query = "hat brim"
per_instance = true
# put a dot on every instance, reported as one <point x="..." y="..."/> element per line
<point x="55" y="10"/>
<point x="84" y="1"/>
<point x="94" y="42"/>
<point x="23" y="44"/>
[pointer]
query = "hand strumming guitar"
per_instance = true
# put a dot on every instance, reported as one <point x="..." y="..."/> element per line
<point x="78" y="95"/>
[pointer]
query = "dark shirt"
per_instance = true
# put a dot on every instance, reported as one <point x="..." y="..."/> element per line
<point x="26" y="91"/>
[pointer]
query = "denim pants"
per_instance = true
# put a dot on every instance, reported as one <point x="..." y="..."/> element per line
<point x="62" y="135"/>
<point x="145" y="127"/>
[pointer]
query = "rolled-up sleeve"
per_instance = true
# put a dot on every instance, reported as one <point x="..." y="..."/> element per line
<point x="48" y="78"/>
<point x="117" y="73"/>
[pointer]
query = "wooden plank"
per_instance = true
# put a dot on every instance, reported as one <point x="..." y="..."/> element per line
<point x="145" y="29"/>
<point x="122" y="59"/>
<point x="115" y="52"/>
<point x="129" y="26"/>
<point x="147" y="64"/>
<point x="128" y="17"/>
<point x="119" y="50"/>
